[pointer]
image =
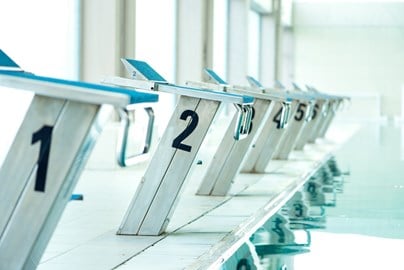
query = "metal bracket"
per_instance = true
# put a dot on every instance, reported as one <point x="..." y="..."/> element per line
<point x="245" y="113"/>
<point x="285" y="115"/>
<point x="122" y="141"/>
<point x="326" y="108"/>
<point x="310" y="112"/>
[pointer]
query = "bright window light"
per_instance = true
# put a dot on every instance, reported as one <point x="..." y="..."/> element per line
<point x="254" y="28"/>
<point x="42" y="37"/>
<point x="155" y="35"/>
<point x="220" y="11"/>
<point x="155" y="44"/>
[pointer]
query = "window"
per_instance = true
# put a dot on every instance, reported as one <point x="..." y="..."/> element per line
<point x="254" y="29"/>
<point x="155" y="44"/>
<point x="42" y="37"/>
<point x="220" y="11"/>
<point x="155" y="35"/>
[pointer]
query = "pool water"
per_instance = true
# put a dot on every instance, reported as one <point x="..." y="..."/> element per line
<point x="349" y="215"/>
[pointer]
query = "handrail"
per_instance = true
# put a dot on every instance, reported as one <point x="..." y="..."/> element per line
<point x="122" y="141"/>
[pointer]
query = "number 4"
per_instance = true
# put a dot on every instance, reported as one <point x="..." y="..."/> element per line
<point x="44" y="135"/>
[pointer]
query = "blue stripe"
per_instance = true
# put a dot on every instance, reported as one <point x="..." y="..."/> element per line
<point x="135" y="97"/>
<point x="146" y="70"/>
<point x="6" y="61"/>
<point x="214" y="76"/>
<point x="256" y="82"/>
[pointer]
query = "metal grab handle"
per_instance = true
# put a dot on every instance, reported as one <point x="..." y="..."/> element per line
<point x="326" y="108"/>
<point x="310" y="111"/>
<point x="122" y="142"/>
<point x="244" y="121"/>
<point x="285" y="115"/>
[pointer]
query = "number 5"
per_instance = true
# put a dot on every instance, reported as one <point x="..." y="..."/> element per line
<point x="300" y="112"/>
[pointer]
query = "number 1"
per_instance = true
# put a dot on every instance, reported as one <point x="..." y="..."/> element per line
<point x="44" y="135"/>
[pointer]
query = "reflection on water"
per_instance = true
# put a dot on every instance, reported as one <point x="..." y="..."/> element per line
<point x="288" y="233"/>
<point x="339" y="220"/>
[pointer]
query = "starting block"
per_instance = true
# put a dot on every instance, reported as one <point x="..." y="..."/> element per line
<point x="335" y="106"/>
<point x="303" y="115"/>
<point x="280" y="142"/>
<point x="230" y="154"/>
<point x="264" y="147"/>
<point x="47" y="156"/>
<point x="316" y="118"/>
<point x="156" y="197"/>
<point x="321" y="117"/>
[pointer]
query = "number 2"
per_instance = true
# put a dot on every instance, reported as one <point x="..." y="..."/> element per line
<point x="177" y="143"/>
<point x="44" y="135"/>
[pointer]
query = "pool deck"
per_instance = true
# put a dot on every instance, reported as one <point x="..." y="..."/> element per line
<point x="204" y="231"/>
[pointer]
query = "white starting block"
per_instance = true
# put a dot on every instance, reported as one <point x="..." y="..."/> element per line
<point x="279" y="142"/>
<point x="324" y="112"/>
<point x="264" y="147"/>
<point x="336" y="105"/>
<point x="258" y="159"/>
<point x="230" y="154"/>
<point x="47" y="156"/>
<point x="315" y="118"/>
<point x="156" y="197"/>
<point x="302" y="116"/>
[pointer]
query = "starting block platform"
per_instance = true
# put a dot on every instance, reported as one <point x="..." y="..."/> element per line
<point x="204" y="231"/>
<point x="47" y="156"/>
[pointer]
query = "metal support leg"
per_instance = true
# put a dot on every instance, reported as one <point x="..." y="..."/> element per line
<point x="312" y="136"/>
<point x="333" y="108"/>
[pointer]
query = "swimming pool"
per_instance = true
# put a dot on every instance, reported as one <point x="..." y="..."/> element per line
<point x="349" y="215"/>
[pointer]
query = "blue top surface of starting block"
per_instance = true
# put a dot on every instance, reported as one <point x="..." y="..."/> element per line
<point x="6" y="61"/>
<point x="146" y="70"/>
<point x="214" y="76"/>
<point x="149" y="73"/>
<point x="134" y="96"/>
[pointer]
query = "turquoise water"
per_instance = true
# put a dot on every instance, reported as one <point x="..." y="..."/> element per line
<point x="350" y="215"/>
